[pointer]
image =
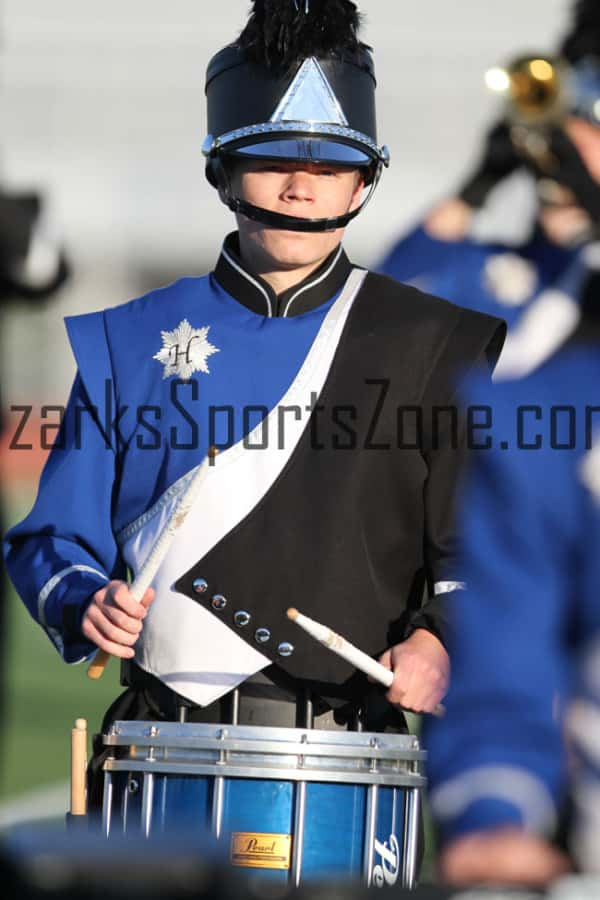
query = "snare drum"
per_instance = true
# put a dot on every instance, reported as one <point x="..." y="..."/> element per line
<point x="295" y="804"/>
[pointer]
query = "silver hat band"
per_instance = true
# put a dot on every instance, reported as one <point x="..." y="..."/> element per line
<point x="309" y="128"/>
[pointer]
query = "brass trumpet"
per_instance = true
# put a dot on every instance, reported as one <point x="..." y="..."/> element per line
<point x="535" y="89"/>
<point x="537" y="96"/>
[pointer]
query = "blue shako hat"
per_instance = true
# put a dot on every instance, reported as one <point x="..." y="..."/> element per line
<point x="297" y="85"/>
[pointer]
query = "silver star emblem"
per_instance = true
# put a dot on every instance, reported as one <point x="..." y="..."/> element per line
<point x="185" y="351"/>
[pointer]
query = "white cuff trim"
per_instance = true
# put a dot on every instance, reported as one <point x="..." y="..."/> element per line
<point x="589" y="469"/>
<point x="584" y="831"/>
<point x="56" y="638"/>
<point x="583" y="726"/>
<point x="591" y="255"/>
<point x="514" y="785"/>
<point x="446" y="587"/>
<point x="54" y="582"/>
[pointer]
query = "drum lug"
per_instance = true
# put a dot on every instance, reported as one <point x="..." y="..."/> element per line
<point x="153" y="731"/>
<point x="374" y="743"/>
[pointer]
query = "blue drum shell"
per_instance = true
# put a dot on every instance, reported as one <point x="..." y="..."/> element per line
<point x="283" y="804"/>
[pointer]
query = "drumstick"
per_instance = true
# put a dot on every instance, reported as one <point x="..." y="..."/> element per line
<point x="159" y="551"/>
<point x="348" y="651"/>
<point x="78" y="767"/>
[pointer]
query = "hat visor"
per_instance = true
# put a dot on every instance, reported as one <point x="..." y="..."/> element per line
<point x="306" y="149"/>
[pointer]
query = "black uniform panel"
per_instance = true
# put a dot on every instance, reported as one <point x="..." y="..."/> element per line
<point x="360" y="517"/>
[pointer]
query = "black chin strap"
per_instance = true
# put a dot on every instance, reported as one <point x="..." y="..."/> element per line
<point x="291" y="223"/>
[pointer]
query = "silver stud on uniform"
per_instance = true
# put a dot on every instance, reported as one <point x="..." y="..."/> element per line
<point x="262" y="635"/>
<point x="242" y="618"/>
<point x="285" y="649"/>
<point x="200" y="586"/>
<point x="218" y="602"/>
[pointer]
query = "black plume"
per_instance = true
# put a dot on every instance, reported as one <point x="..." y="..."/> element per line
<point x="584" y="38"/>
<point x="280" y="33"/>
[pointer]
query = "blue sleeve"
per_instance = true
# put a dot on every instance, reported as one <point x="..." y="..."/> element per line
<point x="417" y="256"/>
<point x="496" y="758"/>
<point x="65" y="549"/>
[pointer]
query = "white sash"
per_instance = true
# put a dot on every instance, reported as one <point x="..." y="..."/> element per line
<point x="184" y="645"/>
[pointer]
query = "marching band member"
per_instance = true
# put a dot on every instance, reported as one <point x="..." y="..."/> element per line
<point x="296" y="365"/>
<point x="550" y="138"/>
<point x="32" y="267"/>
<point x="498" y="765"/>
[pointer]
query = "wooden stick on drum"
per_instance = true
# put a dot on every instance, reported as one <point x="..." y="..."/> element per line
<point x="159" y="551"/>
<point x="348" y="651"/>
<point x="78" y="767"/>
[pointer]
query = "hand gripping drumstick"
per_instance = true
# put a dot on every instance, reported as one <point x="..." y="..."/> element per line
<point x="348" y="651"/>
<point x="159" y="551"/>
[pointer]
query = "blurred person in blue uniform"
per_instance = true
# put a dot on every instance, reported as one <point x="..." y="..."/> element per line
<point x="32" y="267"/>
<point x="501" y="778"/>
<point x="298" y="509"/>
<point x="584" y="736"/>
<point x="537" y="170"/>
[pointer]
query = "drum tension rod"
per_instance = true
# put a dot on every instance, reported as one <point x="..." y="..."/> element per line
<point x="305" y="714"/>
<point x="235" y="706"/>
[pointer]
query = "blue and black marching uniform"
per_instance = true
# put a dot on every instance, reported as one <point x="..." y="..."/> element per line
<point x="322" y="497"/>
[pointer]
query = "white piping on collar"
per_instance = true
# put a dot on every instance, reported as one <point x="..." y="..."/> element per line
<point x="249" y="278"/>
<point x="314" y="283"/>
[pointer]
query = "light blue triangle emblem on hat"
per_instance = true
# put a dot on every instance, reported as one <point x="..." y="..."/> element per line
<point x="310" y="98"/>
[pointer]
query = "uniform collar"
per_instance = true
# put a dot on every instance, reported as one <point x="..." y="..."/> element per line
<point x="252" y="291"/>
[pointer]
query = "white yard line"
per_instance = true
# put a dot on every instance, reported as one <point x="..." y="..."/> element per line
<point x="48" y="802"/>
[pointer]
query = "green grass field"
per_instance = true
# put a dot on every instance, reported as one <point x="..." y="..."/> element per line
<point x="43" y="698"/>
<point x="42" y="695"/>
